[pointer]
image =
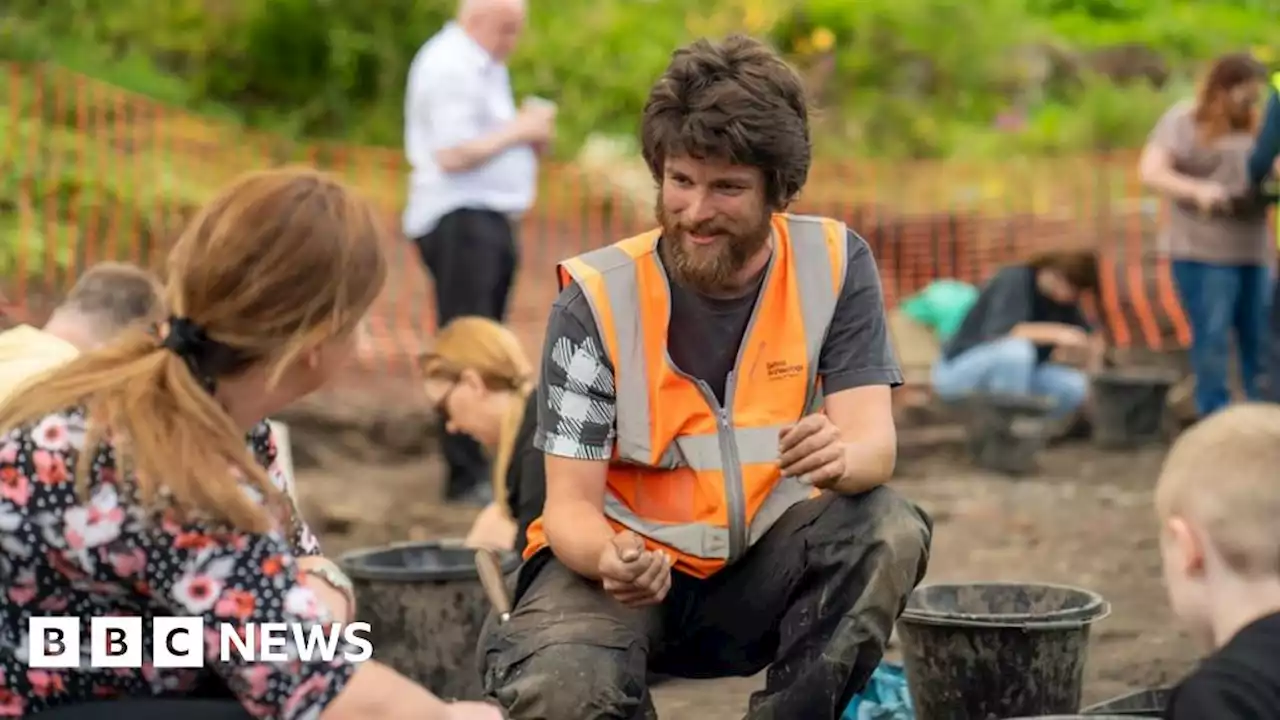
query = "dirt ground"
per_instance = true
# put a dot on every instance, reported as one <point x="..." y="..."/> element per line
<point x="1085" y="520"/>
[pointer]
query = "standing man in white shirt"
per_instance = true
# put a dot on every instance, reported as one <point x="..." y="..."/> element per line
<point x="473" y="160"/>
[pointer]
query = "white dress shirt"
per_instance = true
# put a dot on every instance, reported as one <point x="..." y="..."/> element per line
<point x="456" y="93"/>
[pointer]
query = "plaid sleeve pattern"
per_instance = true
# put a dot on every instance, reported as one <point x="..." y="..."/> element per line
<point x="577" y="396"/>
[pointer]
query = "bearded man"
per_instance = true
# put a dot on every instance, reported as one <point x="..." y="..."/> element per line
<point x="714" y="407"/>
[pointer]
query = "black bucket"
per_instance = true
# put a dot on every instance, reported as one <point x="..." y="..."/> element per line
<point x="1130" y="406"/>
<point x="1004" y="433"/>
<point x="425" y="605"/>
<point x="978" y="651"/>
<point x="1145" y="703"/>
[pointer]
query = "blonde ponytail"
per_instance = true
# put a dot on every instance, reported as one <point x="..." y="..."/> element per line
<point x="506" y="449"/>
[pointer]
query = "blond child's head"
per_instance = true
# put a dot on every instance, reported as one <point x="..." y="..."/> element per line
<point x="1218" y="501"/>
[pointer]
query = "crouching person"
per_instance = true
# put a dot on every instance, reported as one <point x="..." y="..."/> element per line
<point x="1025" y="320"/>
<point x="714" y="406"/>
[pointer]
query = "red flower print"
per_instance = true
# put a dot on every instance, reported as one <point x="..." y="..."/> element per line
<point x="238" y="604"/>
<point x="45" y="683"/>
<point x="51" y="469"/>
<point x="197" y="592"/>
<point x="272" y="566"/>
<point x="11" y="704"/>
<point x="192" y="541"/>
<point x="14" y="486"/>
<point x="64" y="566"/>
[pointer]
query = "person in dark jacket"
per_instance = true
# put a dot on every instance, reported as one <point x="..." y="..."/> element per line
<point x="1261" y="168"/>
<point x="1007" y="342"/>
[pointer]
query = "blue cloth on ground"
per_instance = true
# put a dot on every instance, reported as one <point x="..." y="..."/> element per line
<point x="885" y="697"/>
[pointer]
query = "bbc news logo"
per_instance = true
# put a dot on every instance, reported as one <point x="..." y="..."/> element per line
<point x="179" y="642"/>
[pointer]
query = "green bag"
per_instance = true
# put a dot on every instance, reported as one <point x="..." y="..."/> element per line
<point x="941" y="306"/>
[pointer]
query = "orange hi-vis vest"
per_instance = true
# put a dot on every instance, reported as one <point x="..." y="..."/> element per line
<point x="695" y="479"/>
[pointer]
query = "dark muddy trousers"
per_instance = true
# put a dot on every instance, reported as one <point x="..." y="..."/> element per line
<point x="472" y="256"/>
<point x="814" y="600"/>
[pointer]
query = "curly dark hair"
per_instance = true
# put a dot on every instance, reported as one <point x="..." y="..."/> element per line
<point x="736" y="101"/>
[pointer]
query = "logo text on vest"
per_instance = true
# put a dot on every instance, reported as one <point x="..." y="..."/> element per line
<point x="781" y="369"/>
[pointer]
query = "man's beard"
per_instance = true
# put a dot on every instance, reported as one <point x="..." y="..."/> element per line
<point x="709" y="269"/>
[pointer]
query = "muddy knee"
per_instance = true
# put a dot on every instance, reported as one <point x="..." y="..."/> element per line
<point x="889" y="531"/>
<point x="572" y="681"/>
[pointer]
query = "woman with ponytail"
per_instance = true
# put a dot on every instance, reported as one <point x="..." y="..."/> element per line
<point x="481" y="382"/>
<point x="139" y="479"/>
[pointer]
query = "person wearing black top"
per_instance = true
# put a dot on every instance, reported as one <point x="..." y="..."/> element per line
<point x="526" y="475"/>
<point x="1008" y="339"/>
<point x="481" y="383"/>
<point x="1262" y="176"/>
<point x="1222" y="561"/>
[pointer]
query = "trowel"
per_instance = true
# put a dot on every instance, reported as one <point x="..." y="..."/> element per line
<point x="490" y="569"/>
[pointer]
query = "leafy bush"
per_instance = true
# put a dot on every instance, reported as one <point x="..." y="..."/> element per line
<point x="897" y="78"/>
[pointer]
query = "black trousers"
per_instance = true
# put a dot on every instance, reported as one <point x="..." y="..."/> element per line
<point x="472" y="257"/>
<point x="814" y="601"/>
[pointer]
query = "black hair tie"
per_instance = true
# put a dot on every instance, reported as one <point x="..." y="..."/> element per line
<point x="203" y="355"/>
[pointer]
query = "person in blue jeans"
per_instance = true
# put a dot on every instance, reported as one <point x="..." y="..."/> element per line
<point x="1262" y="161"/>
<point x="1216" y="234"/>
<point x="1024" y="313"/>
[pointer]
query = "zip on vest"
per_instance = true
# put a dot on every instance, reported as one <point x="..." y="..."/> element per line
<point x="735" y="493"/>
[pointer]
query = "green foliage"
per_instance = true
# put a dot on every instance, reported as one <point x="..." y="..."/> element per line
<point x="910" y="78"/>
<point x="904" y="67"/>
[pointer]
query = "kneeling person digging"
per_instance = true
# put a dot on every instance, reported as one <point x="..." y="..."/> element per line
<point x="714" y="406"/>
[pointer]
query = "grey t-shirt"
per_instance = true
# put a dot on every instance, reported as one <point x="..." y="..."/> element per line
<point x="576" y="401"/>
<point x="1235" y="236"/>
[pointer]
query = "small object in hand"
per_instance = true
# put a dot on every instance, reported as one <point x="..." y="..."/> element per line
<point x="533" y="101"/>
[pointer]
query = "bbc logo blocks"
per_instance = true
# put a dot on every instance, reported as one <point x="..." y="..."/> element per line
<point x="115" y="642"/>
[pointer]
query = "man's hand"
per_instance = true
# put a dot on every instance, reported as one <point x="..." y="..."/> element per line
<point x="633" y="575"/>
<point x="813" y="450"/>
<point x="535" y="122"/>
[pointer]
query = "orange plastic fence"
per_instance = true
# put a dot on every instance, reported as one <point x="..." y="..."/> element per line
<point x="94" y="172"/>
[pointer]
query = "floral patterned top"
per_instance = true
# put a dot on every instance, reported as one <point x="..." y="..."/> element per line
<point x="62" y="556"/>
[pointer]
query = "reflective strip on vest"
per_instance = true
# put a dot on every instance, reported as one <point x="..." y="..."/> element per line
<point x="755" y="445"/>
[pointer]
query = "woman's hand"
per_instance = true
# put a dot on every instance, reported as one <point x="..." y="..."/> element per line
<point x="492" y="529"/>
<point x="1070" y="336"/>
<point x="1209" y="196"/>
